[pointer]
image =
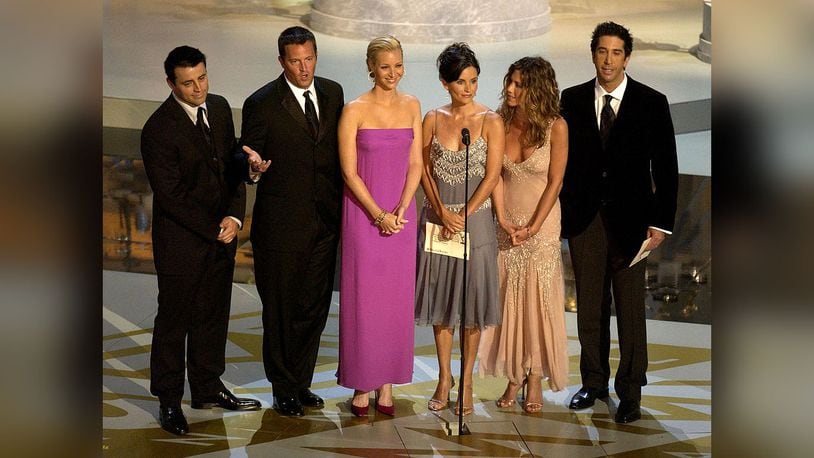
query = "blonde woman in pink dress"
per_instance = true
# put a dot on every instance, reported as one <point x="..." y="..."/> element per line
<point x="380" y="156"/>
<point x="531" y="344"/>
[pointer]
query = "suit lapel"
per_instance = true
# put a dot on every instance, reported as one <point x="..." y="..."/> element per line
<point x="323" y="110"/>
<point x="215" y="126"/>
<point x="626" y="114"/>
<point x="290" y="104"/>
<point x="627" y="106"/>
<point x="190" y="130"/>
<point x="587" y="110"/>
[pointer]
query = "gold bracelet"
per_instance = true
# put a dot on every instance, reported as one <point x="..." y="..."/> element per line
<point x="380" y="218"/>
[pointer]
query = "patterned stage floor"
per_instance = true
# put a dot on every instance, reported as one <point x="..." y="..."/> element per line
<point x="676" y="404"/>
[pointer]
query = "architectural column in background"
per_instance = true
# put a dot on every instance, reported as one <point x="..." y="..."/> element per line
<point x="705" y="39"/>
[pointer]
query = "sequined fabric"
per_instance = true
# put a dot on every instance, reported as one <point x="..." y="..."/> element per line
<point x="450" y="166"/>
<point x="532" y="336"/>
<point x="439" y="283"/>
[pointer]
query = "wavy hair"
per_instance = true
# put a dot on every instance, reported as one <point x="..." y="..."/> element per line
<point x="540" y="100"/>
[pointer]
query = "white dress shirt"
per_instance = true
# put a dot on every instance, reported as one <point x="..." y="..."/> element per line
<point x="599" y="98"/>
<point x="191" y="111"/>
<point x="299" y="94"/>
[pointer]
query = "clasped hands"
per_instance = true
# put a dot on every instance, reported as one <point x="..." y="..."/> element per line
<point x="393" y="223"/>
<point x="453" y="223"/>
<point x="517" y="234"/>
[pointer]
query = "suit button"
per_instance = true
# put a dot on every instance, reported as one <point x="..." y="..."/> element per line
<point x="604" y="174"/>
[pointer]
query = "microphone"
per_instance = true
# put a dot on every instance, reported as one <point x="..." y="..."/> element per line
<point x="465" y="136"/>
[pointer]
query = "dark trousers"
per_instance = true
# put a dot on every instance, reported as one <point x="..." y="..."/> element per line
<point x="295" y="288"/>
<point x="193" y="313"/>
<point x="602" y="276"/>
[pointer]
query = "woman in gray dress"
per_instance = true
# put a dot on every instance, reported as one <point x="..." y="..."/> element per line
<point x="439" y="287"/>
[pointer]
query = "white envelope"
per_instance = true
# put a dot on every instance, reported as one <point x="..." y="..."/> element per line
<point x="433" y="243"/>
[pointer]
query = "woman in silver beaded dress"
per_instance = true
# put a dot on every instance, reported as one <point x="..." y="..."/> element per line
<point x="439" y="283"/>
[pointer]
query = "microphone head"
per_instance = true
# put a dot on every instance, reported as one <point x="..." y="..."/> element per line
<point x="465" y="136"/>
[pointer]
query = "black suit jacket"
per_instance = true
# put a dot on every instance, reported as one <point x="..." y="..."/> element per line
<point x="637" y="176"/>
<point x="194" y="186"/>
<point x="303" y="185"/>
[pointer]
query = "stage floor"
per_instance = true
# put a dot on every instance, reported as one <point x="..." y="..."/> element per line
<point x="676" y="404"/>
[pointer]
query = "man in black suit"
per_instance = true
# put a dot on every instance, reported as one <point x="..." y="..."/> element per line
<point x="292" y="123"/>
<point x="620" y="188"/>
<point x="199" y="202"/>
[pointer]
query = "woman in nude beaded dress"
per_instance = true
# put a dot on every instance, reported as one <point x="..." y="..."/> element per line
<point x="439" y="283"/>
<point x="531" y="344"/>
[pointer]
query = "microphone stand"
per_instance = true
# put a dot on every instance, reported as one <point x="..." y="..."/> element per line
<point x="463" y="430"/>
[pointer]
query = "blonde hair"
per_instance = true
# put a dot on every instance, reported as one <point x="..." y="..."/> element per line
<point x="540" y="100"/>
<point x="382" y="44"/>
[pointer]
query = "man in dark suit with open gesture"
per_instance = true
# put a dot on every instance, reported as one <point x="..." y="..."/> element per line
<point x="292" y="122"/>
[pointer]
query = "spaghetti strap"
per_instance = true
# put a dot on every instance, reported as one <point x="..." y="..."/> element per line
<point x="483" y="122"/>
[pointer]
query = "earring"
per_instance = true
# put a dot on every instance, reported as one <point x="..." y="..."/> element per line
<point x="370" y="76"/>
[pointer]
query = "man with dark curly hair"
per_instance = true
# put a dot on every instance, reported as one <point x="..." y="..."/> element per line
<point x="619" y="190"/>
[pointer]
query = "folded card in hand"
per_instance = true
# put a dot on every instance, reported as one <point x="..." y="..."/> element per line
<point x="434" y="242"/>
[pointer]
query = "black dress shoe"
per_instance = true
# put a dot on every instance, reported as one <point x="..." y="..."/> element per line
<point x="628" y="411"/>
<point x="586" y="397"/>
<point x="172" y="420"/>
<point x="225" y="399"/>
<point x="289" y="406"/>
<point x="309" y="399"/>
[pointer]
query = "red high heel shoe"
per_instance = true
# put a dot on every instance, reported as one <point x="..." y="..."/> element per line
<point x="387" y="410"/>
<point x="358" y="411"/>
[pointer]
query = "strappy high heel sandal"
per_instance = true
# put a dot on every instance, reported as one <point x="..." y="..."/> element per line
<point x="534" y="407"/>
<point x="440" y="404"/>
<point x="505" y="402"/>
<point x="467" y="409"/>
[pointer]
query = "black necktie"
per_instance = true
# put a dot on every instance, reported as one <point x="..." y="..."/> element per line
<point x="311" y="114"/>
<point x="203" y="127"/>
<point x="606" y="119"/>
